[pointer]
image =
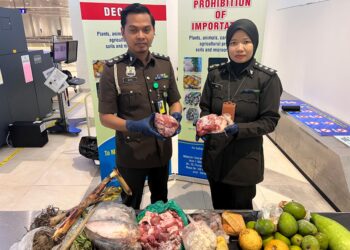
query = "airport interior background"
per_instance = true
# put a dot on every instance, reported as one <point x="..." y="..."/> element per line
<point x="57" y="174"/>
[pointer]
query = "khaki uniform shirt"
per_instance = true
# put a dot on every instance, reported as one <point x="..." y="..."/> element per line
<point x="127" y="89"/>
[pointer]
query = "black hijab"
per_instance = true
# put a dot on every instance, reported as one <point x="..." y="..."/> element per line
<point x="250" y="28"/>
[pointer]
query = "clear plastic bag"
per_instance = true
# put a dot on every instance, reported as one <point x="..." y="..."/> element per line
<point x="270" y="211"/>
<point x="213" y="220"/>
<point x="27" y="242"/>
<point x="113" y="226"/>
<point x="198" y="236"/>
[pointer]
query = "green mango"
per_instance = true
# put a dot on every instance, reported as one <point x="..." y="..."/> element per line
<point x="287" y="225"/>
<point x="339" y="236"/>
<point x="296" y="209"/>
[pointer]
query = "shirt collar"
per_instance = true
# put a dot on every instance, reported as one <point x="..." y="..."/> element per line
<point x="132" y="59"/>
<point x="249" y="70"/>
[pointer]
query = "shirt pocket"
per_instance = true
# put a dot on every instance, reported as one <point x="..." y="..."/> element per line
<point x="247" y="106"/>
<point x="130" y="99"/>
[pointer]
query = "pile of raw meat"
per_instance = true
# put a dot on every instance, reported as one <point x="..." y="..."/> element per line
<point x="161" y="231"/>
<point x="166" y="125"/>
<point x="113" y="226"/>
<point x="212" y="124"/>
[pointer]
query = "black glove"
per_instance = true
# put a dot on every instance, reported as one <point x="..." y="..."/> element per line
<point x="145" y="126"/>
<point x="232" y="130"/>
<point x="178" y="118"/>
<point x="203" y="137"/>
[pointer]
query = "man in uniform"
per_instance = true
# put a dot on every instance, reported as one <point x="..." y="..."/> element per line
<point x="133" y="87"/>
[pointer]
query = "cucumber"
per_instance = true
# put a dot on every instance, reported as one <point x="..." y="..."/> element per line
<point x="339" y="236"/>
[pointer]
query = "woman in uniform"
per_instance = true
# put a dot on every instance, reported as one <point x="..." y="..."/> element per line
<point x="250" y="93"/>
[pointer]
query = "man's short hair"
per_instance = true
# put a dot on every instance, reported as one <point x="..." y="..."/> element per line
<point x="135" y="8"/>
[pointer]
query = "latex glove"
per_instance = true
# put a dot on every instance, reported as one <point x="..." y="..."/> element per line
<point x="232" y="129"/>
<point x="145" y="126"/>
<point x="178" y="118"/>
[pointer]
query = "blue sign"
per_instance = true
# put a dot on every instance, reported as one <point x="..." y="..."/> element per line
<point x="321" y="122"/>
<point x="190" y="159"/>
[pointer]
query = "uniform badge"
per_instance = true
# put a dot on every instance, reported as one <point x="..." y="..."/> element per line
<point x="161" y="76"/>
<point x="130" y="71"/>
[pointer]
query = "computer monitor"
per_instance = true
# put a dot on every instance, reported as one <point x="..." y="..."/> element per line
<point x="72" y="51"/>
<point x="59" y="52"/>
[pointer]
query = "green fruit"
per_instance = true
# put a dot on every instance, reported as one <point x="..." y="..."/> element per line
<point x="296" y="209"/>
<point x="264" y="226"/>
<point x="310" y="243"/>
<point x="294" y="247"/>
<point x="339" y="236"/>
<point x="323" y="240"/>
<point x="251" y="224"/>
<point x="266" y="239"/>
<point x="296" y="239"/>
<point x="306" y="228"/>
<point x="283" y="238"/>
<point x="287" y="225"/>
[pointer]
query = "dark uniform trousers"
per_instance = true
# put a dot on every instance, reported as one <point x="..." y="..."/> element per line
<point x="226" y="196"/>
<point x="157" y="182"/>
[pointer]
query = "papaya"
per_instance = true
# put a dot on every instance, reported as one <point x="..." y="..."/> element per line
<point x="232" y="223"/>
<point x="338" y="235"/>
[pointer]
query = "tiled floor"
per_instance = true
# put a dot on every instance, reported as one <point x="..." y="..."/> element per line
<point x="58" y="175"/>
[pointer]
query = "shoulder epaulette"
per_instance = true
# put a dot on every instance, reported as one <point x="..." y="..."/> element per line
<point x="115" y="60"/>
<point x="161" y="56"/>
<point x="264" y="68"/>
<point x="216" y="66"/>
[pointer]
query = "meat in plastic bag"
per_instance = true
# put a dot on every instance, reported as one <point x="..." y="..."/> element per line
<point x="198" y="236"/>
<point x="113" y="226"/>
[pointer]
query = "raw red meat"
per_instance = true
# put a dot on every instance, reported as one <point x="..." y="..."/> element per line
<point x="212" y="124"/>
<point x="166" y="125"/>
<point x="163" y="235"/>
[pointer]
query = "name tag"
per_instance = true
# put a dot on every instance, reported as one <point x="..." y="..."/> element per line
<point x="129" y="79"/>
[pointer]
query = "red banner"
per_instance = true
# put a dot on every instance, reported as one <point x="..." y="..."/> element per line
<point x="111" y="11"/>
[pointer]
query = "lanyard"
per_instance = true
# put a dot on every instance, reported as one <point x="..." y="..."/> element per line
<point x="229" y="86"/>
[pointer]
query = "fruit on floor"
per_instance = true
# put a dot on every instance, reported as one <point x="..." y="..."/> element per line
<point x="249" y="239"/>
<point x="287" y="225"/>
<point x="264" y="226"/>
<point x="296" y="209"/>
<point x="310" y="243"/>
<point x="276" y="245"/>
